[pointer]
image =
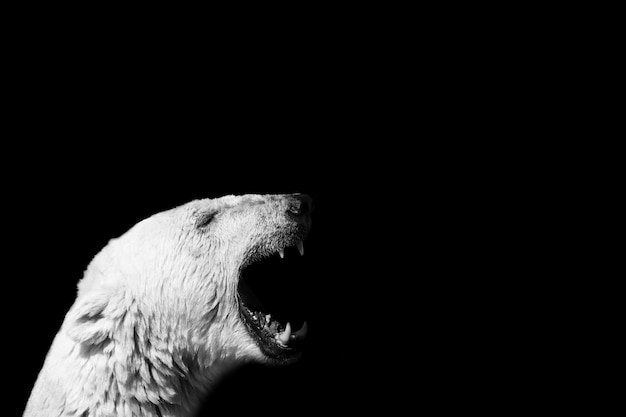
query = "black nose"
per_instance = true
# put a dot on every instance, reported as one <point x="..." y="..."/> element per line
<point x="300" y="207"/>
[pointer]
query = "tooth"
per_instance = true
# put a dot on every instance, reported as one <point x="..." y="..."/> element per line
<point x="300" y="333"/>
<point x="300" y="246"/>
<point x="284" y="336"/>
<point x="281" y="252"/>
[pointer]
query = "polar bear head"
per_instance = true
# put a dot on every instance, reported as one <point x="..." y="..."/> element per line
<point x="171" y="286"/>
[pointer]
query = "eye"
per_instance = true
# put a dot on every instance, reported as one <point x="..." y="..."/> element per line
<point x="205" y="218"/>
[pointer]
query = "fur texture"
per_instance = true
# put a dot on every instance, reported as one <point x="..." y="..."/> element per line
<point x="156" y="319"/>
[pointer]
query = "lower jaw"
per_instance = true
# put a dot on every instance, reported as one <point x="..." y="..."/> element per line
<point x="274" y="353"/>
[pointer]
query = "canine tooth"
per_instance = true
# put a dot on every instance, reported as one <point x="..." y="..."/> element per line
<point x="284" y="336"/>
<point x="281" y="252"/>
<point x="300" y="246"/>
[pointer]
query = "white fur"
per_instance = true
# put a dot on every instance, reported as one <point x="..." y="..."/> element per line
<point x="156" y="319"/>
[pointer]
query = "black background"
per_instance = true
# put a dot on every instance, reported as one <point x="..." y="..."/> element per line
<point x="403" y="286"/>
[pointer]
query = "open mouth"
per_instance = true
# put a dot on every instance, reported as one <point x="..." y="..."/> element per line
<point x="267" y="305"/>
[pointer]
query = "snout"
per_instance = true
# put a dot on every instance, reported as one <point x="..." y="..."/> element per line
<point x="299" y="209"/>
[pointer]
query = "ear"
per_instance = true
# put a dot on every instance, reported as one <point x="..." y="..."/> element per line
<point x="204" y="217"/>
<point x="87" y="320"/>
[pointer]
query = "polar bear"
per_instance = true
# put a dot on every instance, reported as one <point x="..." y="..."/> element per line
<point x="161" y="313"/>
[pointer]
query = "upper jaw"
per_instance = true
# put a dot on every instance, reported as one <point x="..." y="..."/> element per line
<point x="298" y="244"/>
<point x="277" y="246"/>
<point x="292" y="220"/>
